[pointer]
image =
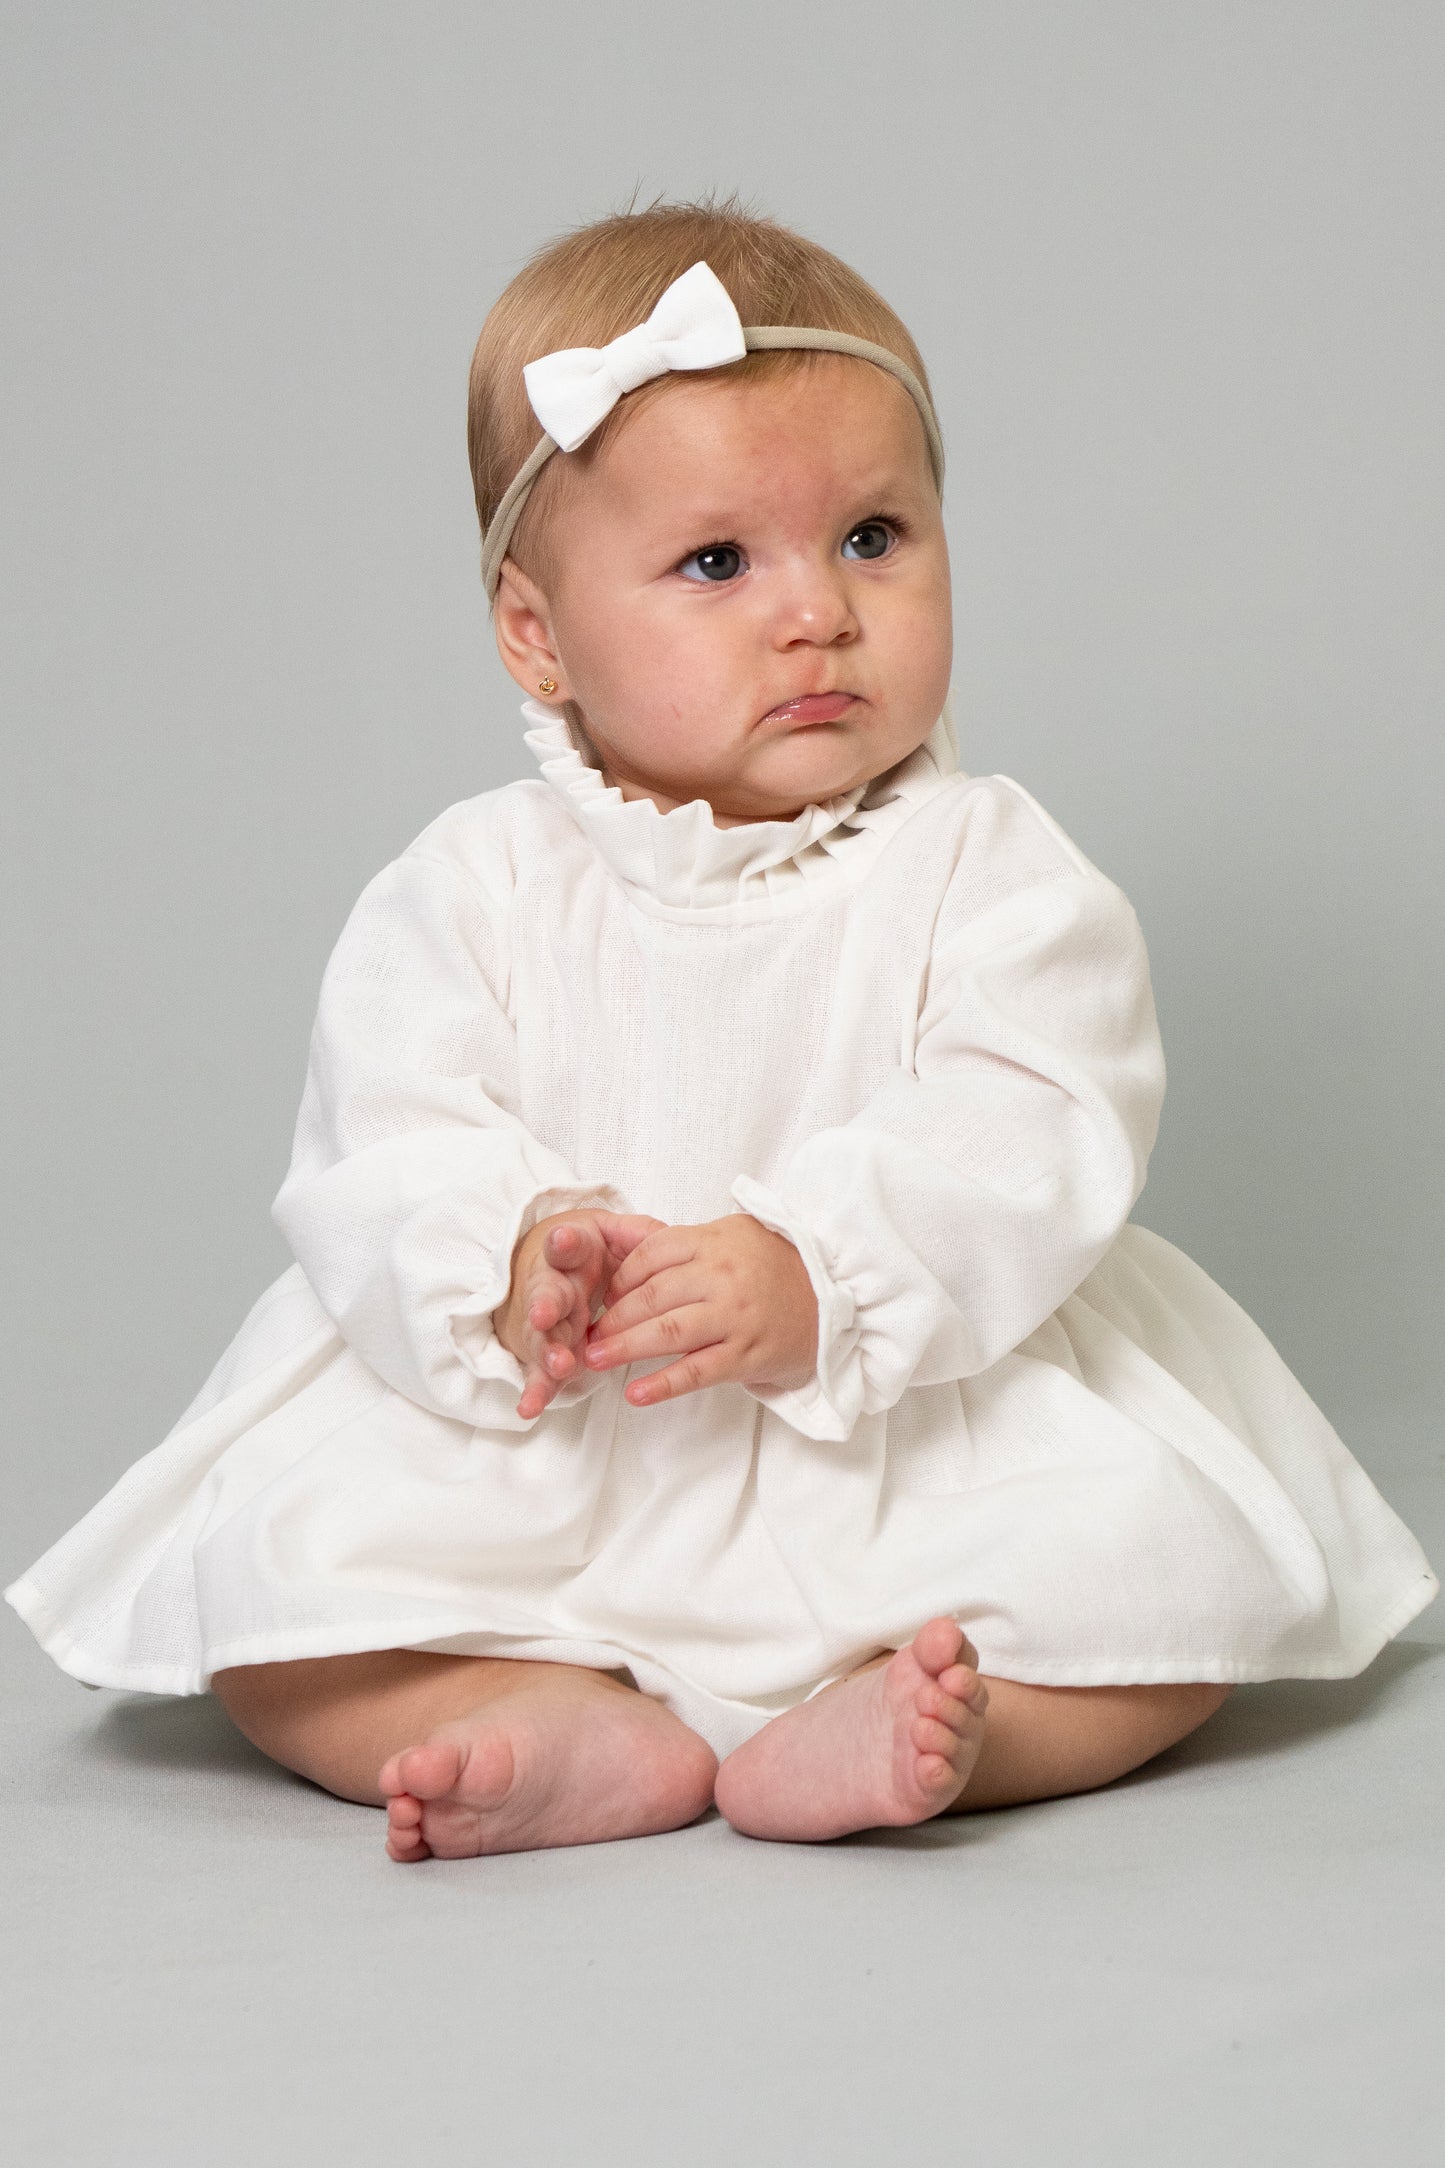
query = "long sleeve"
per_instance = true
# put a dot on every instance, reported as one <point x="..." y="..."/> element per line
<point x="412" y="1175"/>
<point x="973" y="1192"/>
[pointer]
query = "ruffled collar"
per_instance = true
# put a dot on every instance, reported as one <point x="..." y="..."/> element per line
<point x="681" y="863"/>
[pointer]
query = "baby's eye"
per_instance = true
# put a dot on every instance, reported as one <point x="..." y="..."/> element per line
<point x="870" y="539"/>
<point x="719" y="561"/>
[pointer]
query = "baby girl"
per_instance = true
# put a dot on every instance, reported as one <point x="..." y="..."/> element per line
<point x="718" y="1364"/>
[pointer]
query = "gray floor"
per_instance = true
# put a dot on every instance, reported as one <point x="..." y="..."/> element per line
<point x="1176" y="273"/>
<point x="1235" y="1957"/>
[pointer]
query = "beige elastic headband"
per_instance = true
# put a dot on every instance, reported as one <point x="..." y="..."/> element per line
<point x="694" y="326"/>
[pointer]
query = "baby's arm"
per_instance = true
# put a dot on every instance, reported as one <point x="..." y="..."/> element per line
<point x="975" y="1190"/>
<point x="413" y="1178"/>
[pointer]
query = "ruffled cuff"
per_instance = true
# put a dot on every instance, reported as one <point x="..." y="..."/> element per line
<point x="829" y="1405"/>
<point x="469" y="1326"/>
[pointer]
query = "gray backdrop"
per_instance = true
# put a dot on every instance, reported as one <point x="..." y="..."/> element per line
<point x="1177" y="274"/>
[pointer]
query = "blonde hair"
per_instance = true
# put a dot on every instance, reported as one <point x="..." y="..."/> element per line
<point x="594" y="283"/>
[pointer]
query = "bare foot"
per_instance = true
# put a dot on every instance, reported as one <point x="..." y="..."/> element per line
<point x="554" y="1760"/>
<point x="893" y="1744"/>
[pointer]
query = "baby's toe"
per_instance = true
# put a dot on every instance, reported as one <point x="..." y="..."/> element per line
<point x="404" y="1839"/>
<point x="431" y="1770"/>
<point x="930" y="1737"/>
<point x="948" y="1708"/>
<point x="405" y="1848"/>
<point x="935" y="1773"/>
<point x="939" y="1644"/>
<point x="963" y="1684"/>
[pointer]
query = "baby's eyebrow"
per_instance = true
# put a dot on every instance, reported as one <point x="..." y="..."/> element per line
<point x="708" y="519"/>
<point x="719" y="517"/>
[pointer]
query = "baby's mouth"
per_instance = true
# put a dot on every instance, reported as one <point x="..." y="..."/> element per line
<point x="812" y="708"/>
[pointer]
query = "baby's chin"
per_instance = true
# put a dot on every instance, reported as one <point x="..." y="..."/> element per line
<point x="830" y="758"/>
<point x="766" y="772"/>
<point x="784" y="797"/>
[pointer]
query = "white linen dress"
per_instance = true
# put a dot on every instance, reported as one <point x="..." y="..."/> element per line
<point x="912" y="1030"/>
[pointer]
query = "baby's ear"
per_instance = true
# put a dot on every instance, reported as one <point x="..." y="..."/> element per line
<point x="522" y="624"/>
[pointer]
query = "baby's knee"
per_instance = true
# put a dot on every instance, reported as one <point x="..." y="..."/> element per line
<point x="1165" y="1714"/>
<point x="259" y="1698"/>
<point x="1199" y="1698"/>
<point x="277" y="1705"/>
<point x="246" y="1690"/>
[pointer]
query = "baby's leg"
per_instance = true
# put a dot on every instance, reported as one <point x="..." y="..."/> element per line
<point x="1040" y="1742"/>
<point x="918" y="1732"/>
<point x="476" y="1754"/>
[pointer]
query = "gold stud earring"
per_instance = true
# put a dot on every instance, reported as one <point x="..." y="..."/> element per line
<point x="547" y="685"/>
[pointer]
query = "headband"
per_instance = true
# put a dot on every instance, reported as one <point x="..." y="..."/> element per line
<point x="694" y="326"/>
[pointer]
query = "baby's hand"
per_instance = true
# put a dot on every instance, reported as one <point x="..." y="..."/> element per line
<point x="558" y="1269"/>
<point x="730" y="1297"/>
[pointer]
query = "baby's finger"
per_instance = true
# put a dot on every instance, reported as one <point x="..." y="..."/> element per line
<point x="537" y="1390"/>
<point x="664" y="1246"/>
<point x="551" y="1298"/>
<point x="540" y="1379"/>
<point x="676" y="1332"/>
<point x="708" y="1366"/>
<point x="667" y="1289"/>
<point x="577" y="1248"/>
<point x="622" y="1231"/>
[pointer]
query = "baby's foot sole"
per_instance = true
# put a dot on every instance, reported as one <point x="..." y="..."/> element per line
<point x="445" y="1772"/>
<point x="557" y="1765"/>
<point x="885" y="1748"/>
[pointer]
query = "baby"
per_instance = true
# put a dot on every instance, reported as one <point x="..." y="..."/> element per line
<point x="718" y="1364"/>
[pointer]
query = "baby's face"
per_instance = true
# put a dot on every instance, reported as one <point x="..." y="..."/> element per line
<point x="751" y="597"/>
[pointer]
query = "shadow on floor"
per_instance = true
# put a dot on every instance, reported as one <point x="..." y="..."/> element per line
<point x="193" y="1733"/>
<point x="1277" y="1716"/>
<point x="1272" y="1718"/>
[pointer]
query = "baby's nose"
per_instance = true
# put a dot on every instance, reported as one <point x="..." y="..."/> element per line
<point x="817" y="608"/>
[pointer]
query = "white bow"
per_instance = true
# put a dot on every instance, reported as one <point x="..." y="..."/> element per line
<point x="694" y="326"/>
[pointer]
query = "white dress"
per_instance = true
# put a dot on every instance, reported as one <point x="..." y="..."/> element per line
<point x="911" y="1029"/>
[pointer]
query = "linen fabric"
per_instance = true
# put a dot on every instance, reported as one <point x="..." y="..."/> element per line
<point x="911" y="1029"/>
